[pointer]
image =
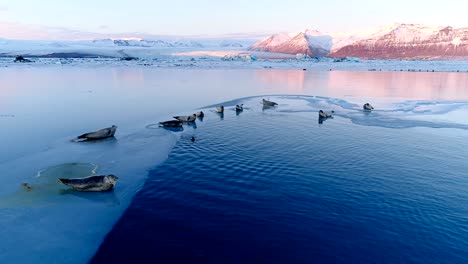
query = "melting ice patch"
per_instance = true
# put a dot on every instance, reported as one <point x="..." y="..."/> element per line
<point x="407" y="114"/>
<point x="438" y="111"/>
<point x="41" y="190"/>
<point x="50" y="223"/>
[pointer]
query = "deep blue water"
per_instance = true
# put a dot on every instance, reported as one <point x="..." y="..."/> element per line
<point x="276" y="187"/>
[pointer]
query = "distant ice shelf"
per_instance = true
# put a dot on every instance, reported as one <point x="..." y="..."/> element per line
<point x="241" y="60"/>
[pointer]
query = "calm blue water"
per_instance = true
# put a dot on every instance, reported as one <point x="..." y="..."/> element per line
<point x="274" y="186"/>
<point x="264" y="186"/>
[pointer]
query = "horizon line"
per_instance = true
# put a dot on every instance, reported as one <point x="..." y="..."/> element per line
<point x="89" y="35"/>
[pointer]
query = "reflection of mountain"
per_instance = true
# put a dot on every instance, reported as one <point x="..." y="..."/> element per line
<point x="389" y="42"/>
<point x="292" y="80"/>
<point x="414" y="85"/>
<point x="397" y="84"/>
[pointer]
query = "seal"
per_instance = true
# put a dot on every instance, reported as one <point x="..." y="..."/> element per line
<point x="323" y="114"/>
<point x="21" y="59"/>
<point x="190" y="118"/>
<point x="26" y="186"/>
<point x="99" y="183"/>
<point x="99" y="134"/>
<point x="367" y="107"/>
<point x="219" y="109"/>
<point x="171" y="123"/>
<point x="268" y="103"/>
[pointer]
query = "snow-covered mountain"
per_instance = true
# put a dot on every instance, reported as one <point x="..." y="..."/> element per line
<point x="271" y="43"/>
<point x="389" y="42"/>
<point x="395" y="41"/>
<point x="409" y="41"/>
<point x="310" y="42"/>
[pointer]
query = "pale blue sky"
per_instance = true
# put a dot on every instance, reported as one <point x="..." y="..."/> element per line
<point x="217" y="17"/>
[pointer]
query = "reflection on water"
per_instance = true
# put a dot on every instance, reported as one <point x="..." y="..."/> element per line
<point x="291" y="80"/>
<point x="410" y="85"/>
<point x="275" y="187"/>
<point x="323" y="119"/>
<point x="52" y="105"/>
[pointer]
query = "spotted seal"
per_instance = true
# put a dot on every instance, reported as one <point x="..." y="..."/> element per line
<point x="99" y="134"/>
<point x="99" y="183"/>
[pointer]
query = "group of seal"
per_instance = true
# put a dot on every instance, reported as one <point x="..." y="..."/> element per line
<point x="219" y="109"/>
<point x="179" y="120"/>
<point x="92" y="183"/>
<point x="323" y="115"/>
<point x="21" y="59"/>
<point x="100" y="183"/>
<point x="190" y="118"/>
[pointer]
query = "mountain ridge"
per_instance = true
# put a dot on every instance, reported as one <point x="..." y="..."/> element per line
<point x="396" y="41"/>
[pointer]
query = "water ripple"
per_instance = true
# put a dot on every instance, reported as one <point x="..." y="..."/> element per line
<point x="274" y="181"/>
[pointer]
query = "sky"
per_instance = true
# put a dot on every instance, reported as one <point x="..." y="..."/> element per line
<point x="39" y="19"/>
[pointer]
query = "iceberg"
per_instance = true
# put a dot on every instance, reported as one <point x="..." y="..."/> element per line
<point x="347" y="59"/>
<point x="300" y="56"/>
<point x="239" y="57"/>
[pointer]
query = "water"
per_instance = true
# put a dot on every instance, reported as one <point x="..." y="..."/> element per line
<point x="249" y="183"/>
<point x="274" y="186"/>
<point x="57" y="102"/>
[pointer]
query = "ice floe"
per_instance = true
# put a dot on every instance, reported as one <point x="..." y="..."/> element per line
<point x="407" y="114"/>
<point x="74" y="223"/>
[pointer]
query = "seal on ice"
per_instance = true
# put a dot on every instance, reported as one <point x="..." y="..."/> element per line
<point x="100" y="183"/>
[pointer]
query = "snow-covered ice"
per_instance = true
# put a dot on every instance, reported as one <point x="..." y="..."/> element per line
<point x="240" y="60"/>
<point x="53" y="225"/>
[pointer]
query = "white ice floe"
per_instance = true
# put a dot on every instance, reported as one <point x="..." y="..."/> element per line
<point x="239" y="57"/>
<point x="407" y="114"/>
<point x="73" y="223"/>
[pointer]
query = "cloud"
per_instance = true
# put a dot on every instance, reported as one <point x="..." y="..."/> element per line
<point x="12" y="30"/>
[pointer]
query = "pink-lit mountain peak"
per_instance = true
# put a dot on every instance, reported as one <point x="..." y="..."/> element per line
<point x="390" y="41"/>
